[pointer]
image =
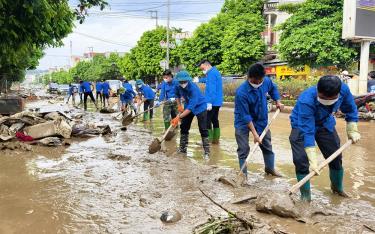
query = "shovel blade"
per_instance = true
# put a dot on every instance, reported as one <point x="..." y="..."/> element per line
<point x="155" y="146"/>
<point x="170" y="134"/>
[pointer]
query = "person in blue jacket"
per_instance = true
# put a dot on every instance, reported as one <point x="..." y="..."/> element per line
<point x="195" y="105"/>
<point x="168" y="94"/>
<point x="87" y="88"/>
<point x="98" y="89"/>
<point x="148" y="97"/>
<point x="127" y="96"/>
<point x="251" y="115"/>
<point x="71" y="93"/>
<point x="105" y="92"/>
<point x="214" y="97"/>
<point x="312" y="120"/>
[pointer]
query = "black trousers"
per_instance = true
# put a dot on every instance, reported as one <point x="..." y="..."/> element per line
<point x="85" y="95"/>
<point x="149" y="103"/>
<point x="213" y="117"/>
<point x="328" y="143"/>
<point x="99" y="94"/>
<point x="202" y="123"/>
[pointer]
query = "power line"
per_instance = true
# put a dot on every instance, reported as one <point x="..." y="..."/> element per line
<point x="103" y="40"/>
<point x="120" y="15"/>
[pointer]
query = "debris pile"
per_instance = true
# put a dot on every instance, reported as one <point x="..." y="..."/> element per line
<point x="44" y="128"/>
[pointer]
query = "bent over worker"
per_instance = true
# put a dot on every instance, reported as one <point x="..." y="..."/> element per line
<point x="214" y="97"/>
<point x="168" y="94"/>
<point x="87" y="88"/>
<point x="195" y="105"/>
<point x="147" y="99"/>
<point x="127" y="97"/>
<point x="312" y="120"/>
<point x="251" y="114"/>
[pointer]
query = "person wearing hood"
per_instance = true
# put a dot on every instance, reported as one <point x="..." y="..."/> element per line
<point x="251" y="115"/>
<point x="214" y="97"/>
<point x="148" y="97"/>
<point x="195" y="105"/>
<point x="168" y="94"/>
<point x="313" y="120"/>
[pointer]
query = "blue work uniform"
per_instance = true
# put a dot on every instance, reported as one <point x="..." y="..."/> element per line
<point x="214" y="87"/>
<point x="309" y="114"/>
<point x="147" y="92"/>
<point x="168" y="90"/>
<point x="86" y="87"/>
<point x="251" y="106"/>
<point x="105" y="88"/>
<point x="99" y="87"/>
<point x="129" y="93"/>
<point x="194" y="99"/>
<point x="71" y="90"/>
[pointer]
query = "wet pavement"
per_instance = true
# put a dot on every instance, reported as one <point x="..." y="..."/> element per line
<point x="84" y="189"/>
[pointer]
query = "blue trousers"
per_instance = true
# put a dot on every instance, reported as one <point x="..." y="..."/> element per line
<point x="243" y="150"/>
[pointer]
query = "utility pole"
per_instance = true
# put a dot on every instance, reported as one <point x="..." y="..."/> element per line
<point x="71" y="54"/>
<point x="154" y="15"/>
<point x="168" y="16"/>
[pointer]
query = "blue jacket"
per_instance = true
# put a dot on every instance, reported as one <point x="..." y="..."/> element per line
<point x="86" y="87"/>
<point x="98" y="86"/>
<point x="168" y="90"/>
<point x="71" y="90"/>
<point x="105" y="88"/>
<point x="147" y="92"/>
<point x="194" y="99"/>
<point x="129" y="92"/>
<point x="251" y="104"/>
<point x="309" y="115"/>
<point x="214" y="87"/>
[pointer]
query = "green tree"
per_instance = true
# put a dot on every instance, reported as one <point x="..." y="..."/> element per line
<point x="312" y="36"/>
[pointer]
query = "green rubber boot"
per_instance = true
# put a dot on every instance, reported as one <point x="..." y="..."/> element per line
<point x="146" y="116"/>
<point x="166" y="124"/>
<point x="210" y="135"/>
<point x="305" y="189"/>
<point x="337" y="177"/>
<point x="216" y="136"/>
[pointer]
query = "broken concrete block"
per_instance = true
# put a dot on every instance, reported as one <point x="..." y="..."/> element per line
<point x="11" y="105"/>
<point x="51" y="141"/>
<point x="58" y="127"/>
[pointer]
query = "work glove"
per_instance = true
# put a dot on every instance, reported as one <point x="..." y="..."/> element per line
<point x="313" y="158"/>
<point x="175" y="121"/>
<point x="157" y="103"/>
<point x="172" y="99"/>
<point x="209" y="106"/>
<point x="196" y="80"/>
<point x="180" y="108"/>
<point x="352" y="131"/>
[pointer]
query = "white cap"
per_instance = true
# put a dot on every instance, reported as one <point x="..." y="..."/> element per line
<point x="345" y="73"/>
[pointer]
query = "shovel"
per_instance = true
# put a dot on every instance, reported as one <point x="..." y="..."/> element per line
<point x="296" y="187"/>
<point x="257" y="144"/>
<point x="128" y="119"/>
<point x="156" y="143"/>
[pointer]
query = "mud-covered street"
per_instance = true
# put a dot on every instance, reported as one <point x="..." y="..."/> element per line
<point x="111" y="184"/>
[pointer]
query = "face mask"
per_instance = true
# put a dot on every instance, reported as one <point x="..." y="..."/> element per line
<point x="166" y="80"/>
<point x="255" y="86"/>
<point x="327" y="102"/>
<point x="184" y="85"/>
<point x="205" y="72"/>
<point x="139" y="86"/>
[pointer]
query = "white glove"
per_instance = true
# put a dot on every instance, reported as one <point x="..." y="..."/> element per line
<point x="209" y="106"/>
<point x="172" y="99"/>
<point x="157" y="103"/>
<point x="196" y="80"/>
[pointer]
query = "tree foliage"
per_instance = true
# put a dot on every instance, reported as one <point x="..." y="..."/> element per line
<point x="27" y="27"/>
<point x="312" y="36"/>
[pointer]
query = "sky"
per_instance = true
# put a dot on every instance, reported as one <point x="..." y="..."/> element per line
<point x="119" y="26"/>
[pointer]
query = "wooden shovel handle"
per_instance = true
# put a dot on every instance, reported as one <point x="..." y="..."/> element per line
<point x="255" y="147"/>
<point x="296" y="187"/>
<point x="148" y="109"/>
<point x="166" y="133"/>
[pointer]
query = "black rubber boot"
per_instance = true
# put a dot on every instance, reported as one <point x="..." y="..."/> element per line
<point x="272" y="172"/>
<point x="184" y="139"/>
<point x="206" y="147"/>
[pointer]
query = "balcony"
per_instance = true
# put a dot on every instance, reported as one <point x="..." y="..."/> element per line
<point x="271" y="6"/>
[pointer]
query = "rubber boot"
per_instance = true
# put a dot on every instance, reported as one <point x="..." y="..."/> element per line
<point x="337" y="177"/>
<point x="184" y="139"/>
<point x="146" y="116"/>
<point x="206" y="147"/>
<point x="166" y="124"/>
<point x="216" y="136"/>
<point x="305" y="189"/>
<point x="269" y="165"/>
<point x="210" y="135"/>
<point x="242" y="162"/>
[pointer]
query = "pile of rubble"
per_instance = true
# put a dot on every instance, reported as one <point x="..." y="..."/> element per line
<point x="26" y="128"/>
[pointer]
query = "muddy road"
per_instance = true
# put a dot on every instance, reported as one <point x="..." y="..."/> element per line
<point x="112" y="185"/>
